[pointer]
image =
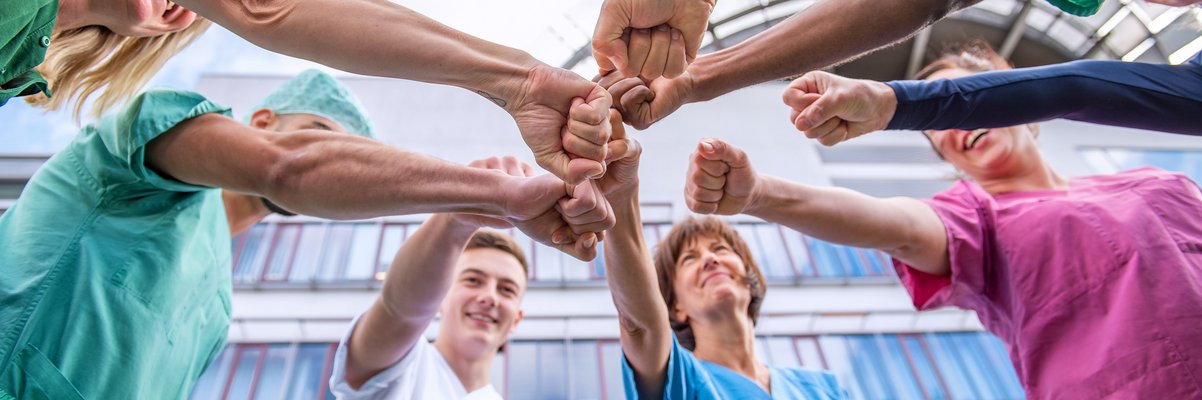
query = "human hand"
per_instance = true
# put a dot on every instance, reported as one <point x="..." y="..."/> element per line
<point x="642" y="105"/>
<point x="622" y="174"/>
<point x="562" y="117"/>
<point x="616" y="39"/>
<point x="833" y="109"/>
<point x="530" y="206"/>
<point x="720" y="179"/>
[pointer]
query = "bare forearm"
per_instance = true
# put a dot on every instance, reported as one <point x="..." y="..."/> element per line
<point x="629" y="269"/>
<point x="421" y="272"/>
<point x="903" y="227"/>
<point x="343" y="177"/>
<point x="378" y="38"/>
<point x="645" y="333"/>
<point x="827" y="33"/>
<point x="419" y="278"/>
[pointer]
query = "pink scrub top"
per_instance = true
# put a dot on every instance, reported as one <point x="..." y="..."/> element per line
<point x="1095" y="290"/>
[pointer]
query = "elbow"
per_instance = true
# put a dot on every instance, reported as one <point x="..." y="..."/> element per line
<point x="286" y="170"/>
<point x="631" y="328"/>
<point x="252" y="16"/>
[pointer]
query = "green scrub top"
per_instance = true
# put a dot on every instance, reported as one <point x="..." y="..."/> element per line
<point x="25" y="28"/>
<point x="1080" y="8"/>
<point x="114" y="280"/>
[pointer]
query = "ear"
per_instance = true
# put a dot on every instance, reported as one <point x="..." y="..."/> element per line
<point x="678" y="314"/>
<point x="517" y="320"/>
<point x="445" y="305"/>
<point x="264" y="119"/>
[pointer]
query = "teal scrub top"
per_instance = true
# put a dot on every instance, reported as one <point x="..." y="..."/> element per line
<point x="25" y="29"/>
<point x="114" y="280"/>
<point x="1080" y="8"/>
<point x="690" y="378"/>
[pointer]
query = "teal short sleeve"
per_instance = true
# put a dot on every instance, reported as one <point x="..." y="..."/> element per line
<point x="681" y="380"/>
<point x="1080" y="8"/>
<point x="125" y="134"/>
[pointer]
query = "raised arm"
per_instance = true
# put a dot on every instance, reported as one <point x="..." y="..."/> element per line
<point x="417" y="281"/>
<point x="383" y="38"/>
<point x="827" y="33"/>
<point x="1156" y="97"/>
<point x="341" y="176"/>
<point x="722" y="181"/>
<point x="645" y="334"/>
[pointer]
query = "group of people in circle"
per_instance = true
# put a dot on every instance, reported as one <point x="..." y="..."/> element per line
<point x="116" y="257"/>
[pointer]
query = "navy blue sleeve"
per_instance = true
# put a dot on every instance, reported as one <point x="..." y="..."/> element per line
<point x="1155" y="97"/>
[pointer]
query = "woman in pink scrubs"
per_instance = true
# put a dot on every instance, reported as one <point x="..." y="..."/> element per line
<point x="1094" y="284"/>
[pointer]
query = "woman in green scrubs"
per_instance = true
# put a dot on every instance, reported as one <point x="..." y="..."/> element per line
<point x="115" y="270"/>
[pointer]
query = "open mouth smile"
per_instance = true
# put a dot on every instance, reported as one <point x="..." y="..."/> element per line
<point x="974" y="138"/>
<point x="482" y="318"/>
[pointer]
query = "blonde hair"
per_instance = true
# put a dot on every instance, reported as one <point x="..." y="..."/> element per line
<point x="83" y="61"/>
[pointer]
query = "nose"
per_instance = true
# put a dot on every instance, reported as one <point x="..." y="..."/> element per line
<point x="708" y="261"/>
<point x="487" y="297"/>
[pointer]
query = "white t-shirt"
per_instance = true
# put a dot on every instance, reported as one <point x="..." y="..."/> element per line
<point x="420" y="374"/>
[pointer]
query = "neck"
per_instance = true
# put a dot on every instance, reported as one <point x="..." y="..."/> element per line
<point x="471" y="369"/>
<point x="242" y="211"/>
<point x="74" y="14"/>
<point x="729" y="342"/>
<point x="1039" y="176"/>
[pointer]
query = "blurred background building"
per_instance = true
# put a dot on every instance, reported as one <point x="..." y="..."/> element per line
<point x="299" y="281"/>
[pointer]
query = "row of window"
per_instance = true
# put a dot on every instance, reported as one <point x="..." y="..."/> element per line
<point x="1111" y="160"/>
<point x="968" y="365"/>
<point x="331" y="252"/>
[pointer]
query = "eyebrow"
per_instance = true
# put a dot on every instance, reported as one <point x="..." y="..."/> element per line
<point x="470" y="270"/>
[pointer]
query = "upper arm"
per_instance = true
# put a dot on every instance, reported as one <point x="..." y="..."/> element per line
<point x="377" y="343"/>
<point x="923" y="239"/>
<point x="645" y="334"/>
<point x="648" y="352"/>
<point x="216" y="151"/>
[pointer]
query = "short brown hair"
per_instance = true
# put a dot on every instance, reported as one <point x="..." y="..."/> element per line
<point x="489" y="239"/>
<point x="668" y="250"/>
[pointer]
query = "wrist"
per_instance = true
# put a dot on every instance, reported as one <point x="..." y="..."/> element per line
<point x="453" y="226"/>
<point x="509" y="82"/>
<point x="886" y="101"/>
<point x="761" y="196"/>
<point x="701" y="76"/>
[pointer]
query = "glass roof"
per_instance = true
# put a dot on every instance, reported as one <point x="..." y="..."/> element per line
<point x="558" y="32"/>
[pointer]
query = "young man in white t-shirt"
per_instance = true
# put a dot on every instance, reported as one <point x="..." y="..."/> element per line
<point x="474" y="278"/>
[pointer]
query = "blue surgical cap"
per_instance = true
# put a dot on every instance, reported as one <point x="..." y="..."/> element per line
<point x="315" y="92"/>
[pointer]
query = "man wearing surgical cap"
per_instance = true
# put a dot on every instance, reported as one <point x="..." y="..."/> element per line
<point x="115" y="271"/>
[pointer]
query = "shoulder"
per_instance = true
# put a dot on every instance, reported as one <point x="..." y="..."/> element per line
<point x="815" y="383"/>
<point x="1132" y="177"/>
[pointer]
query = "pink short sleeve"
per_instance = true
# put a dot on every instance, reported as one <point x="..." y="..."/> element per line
<point x="966" y="212"/>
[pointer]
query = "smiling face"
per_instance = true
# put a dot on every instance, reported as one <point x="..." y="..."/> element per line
<point x="985" y="154"/>
<point x="140" y="18"/>
<point x="710" y="279"/>
<point x="706" y="271"/>
<point x="483" y="306"/>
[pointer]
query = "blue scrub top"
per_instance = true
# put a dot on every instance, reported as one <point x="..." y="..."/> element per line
<point x="691" y="378"/>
